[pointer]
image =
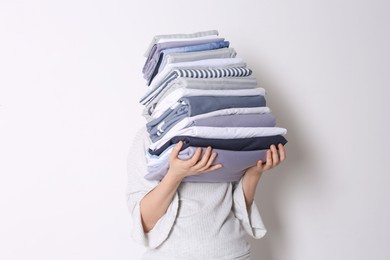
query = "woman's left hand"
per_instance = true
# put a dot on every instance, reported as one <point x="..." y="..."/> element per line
<point x="273" y="158"/>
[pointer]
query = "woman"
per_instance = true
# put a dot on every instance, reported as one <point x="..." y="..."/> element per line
<point x="183" y="220"/>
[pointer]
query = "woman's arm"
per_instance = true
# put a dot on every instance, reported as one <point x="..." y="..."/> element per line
<point x="253" y="174"/>
<point x="154" y="204"/>
<point x="157" y="201"/>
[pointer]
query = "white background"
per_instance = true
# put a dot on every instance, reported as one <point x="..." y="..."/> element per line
<point x="70" y="80"/>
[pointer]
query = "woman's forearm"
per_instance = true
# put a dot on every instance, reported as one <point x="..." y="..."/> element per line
<point x="253" y="174"/>
<point x="154" y="205"/>
<point x="249" y="184"/>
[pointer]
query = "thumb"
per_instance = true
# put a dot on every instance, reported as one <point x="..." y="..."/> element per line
<point x="260" y="164"/>
<point x="176" y="150"/>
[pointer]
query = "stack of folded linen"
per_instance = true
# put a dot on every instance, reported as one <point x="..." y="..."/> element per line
<point x="201" y="94"/>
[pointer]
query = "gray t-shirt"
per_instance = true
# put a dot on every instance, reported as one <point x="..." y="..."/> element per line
<point x="205" y="221"/>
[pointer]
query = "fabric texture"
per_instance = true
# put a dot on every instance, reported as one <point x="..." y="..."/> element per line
<point x="208" y="72"/>
<point x="234" y="164"/>
<point x="165" y="127"/>
<point x="237" y="144"/>
<point x="153" y="70"/>
<point x="181" y="36"/>
<point x="222" y="133"/>
<point x="210" y="217"/>
<point x="197" y="55"/>
<point x="171" y="99"/>
<point x="196" y="105"/>
<point x="156" y="50"/>
<point x="224" y="83"/>
<point x="248" y="120"/>
<point x="163" y="76"/>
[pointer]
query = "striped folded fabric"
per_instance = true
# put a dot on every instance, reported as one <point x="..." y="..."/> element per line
<point x="197" y="73"/>
<point x="213" y="72"/>
<point x="200" y="93"/>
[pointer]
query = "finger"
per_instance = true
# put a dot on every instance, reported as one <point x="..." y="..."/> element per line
<point x="212" y="168"/>
<point x="260" y="164"/>
<point x="282" y="152"/>
<point x="275" y="156"/>
<point x="176" y="150"/>
<point x="210" y="161"/>
<point x="200" y="164"/>
<point x="268" y="162"/>
<point x="195" y="158"/>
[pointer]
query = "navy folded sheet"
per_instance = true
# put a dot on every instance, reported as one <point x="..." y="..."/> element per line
<point x="238" y="144"/>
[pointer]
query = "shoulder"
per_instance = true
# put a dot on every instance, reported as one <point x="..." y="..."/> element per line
<point x="136" y="159"/>
<point x="141" y="139"/>
<point x="141" y="131"/>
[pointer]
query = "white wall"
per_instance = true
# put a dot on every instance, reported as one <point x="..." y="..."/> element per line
<point x="70" y="78"/>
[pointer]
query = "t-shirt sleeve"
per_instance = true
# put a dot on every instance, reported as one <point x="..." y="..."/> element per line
<point x="251" y="221"/>
<point x="137" y="188"/>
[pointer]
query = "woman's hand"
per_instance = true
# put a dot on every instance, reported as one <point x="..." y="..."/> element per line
<point x="253" y="174"/>
<point x="273" y="158"/>
<point x="196" y="165"/>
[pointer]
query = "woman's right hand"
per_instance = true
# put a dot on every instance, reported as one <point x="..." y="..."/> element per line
<point x="196" y="165"/>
